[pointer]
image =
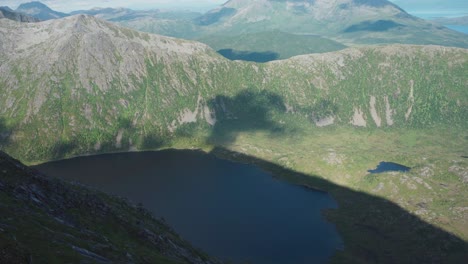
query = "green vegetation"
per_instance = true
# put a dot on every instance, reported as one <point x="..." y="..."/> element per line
<point x="329" y="116"/>
<point x="383" y="218"/>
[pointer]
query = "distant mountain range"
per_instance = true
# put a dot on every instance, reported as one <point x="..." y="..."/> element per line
<point x="463" y="21"/>
<point x="39" y="11"/>
<point x="6" y="12"/>
<point x="345" y="22"/>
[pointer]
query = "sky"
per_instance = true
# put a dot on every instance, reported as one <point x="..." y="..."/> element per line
<point x="421" y="8"/>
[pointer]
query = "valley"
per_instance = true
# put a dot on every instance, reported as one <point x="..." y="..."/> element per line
<point x="81" y="86"/>
<point x="233" y="211"/>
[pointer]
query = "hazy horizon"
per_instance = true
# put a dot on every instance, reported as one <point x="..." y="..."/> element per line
<point x="420" y="8"/>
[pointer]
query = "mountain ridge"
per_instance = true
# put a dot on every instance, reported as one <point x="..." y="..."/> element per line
<point x="6" y="12"/>
<point x="145" y="75"/>
<point x="329" y="19"/>
<point x="39" y="10"/>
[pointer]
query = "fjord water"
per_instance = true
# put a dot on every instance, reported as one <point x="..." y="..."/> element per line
<point x="230" y="210"/>
<point x="459" y="28"/>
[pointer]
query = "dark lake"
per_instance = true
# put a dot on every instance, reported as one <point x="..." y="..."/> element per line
<point x="230" y="210"/>
<point x="389" y="166"/>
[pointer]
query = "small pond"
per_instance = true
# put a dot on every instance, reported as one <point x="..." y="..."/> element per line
<point x="230" y="210"/>
<point x="389" y="166"/>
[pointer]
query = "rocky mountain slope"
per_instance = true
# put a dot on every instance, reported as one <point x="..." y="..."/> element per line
<point x="81" y="85"/>
<point x="45" y="220"/>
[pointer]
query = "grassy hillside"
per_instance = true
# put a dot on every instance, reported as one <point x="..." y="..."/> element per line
<point x="98" y="97"/>
<point x="83" y="86"/>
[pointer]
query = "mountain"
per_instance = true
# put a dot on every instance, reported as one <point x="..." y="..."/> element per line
<point x="240" y="29"/>
<point x="6" y="12"/>
<point x="105" y="13"/>
<point x="80" y="86"/>
<point x="169" y="23"/>
<point x="125" y="14"/>
<point x="44" y="207"/>
<point x="39" y="11"/>
<point x="6" y="8"/>
<point x="346" y="21"/>
<point x="452" y="20"/>
<point x="104" y="88"/>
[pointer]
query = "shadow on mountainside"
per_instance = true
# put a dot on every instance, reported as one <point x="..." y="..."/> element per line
<point x="248" y="110"/>
<point x="254" y="56"/>
<point x="373" y="26"/>
<point x="374" y="230"/>
<point x="79" y="145"/>
<point x="5" y="133"/>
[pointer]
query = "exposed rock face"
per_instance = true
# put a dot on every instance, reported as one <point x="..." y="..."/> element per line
<point x="358" y="118"/>
<point x="411" y="101"/>
<point x="326" y="121"/>
<point x="374" y="114"/>
<point x="388" y="112"/>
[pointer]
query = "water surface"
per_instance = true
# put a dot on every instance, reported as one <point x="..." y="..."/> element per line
<point x="459" y="28"/>
<point x="230" y="210"/>
<point x="389" y="166"/>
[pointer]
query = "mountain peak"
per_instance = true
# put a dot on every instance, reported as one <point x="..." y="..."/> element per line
<point x="34" y="4"/>
<point x="6" y="12"/>
<point x="314" y="16"/>
<point x="39" y="10"/>
<point x="319" y="4"/>
<point x="6" y="8"/>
